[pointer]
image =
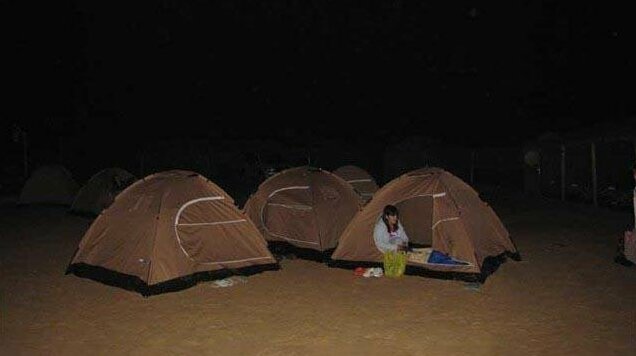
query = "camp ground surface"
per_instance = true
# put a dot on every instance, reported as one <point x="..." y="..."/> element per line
<point x="566" y="297"/>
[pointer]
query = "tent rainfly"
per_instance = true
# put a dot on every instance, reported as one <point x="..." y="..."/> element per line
<point x="304" y="207"/>
<point x="439" y="212"/>
<point x="168" y="231"/>
<point x="361" y="181"/>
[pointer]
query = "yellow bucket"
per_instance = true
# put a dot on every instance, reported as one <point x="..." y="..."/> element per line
<point x="394" y="264"/>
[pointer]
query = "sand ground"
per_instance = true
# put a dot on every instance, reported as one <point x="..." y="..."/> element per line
<point x="566" y="297"/>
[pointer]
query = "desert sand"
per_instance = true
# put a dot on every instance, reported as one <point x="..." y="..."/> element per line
<point x="566" y="297"/>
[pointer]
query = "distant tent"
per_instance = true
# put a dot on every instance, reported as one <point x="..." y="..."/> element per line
<point x="437" y="210"/>
<point x="167" y="231"/>
<point x="304" y="207"/>
<point x="361" y="181"/>
<point x="51" y="184"/>
<point x="100" y="191"/>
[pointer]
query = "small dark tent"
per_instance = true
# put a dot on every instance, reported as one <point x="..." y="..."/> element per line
<point x="50" y="184"/>
<point x="361" y="181"/>
<point x="100" y="190"/>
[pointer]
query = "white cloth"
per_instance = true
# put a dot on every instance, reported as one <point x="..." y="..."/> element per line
<point x="386" y="241"/>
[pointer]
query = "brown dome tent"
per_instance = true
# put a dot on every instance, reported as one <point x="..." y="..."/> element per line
<point x="304" y="207"/>
<point x="167" y="231"/>
<point x="51" y="184"/>
<point x="438" y="210"/>
<point x="361" y="181"/>
<point x="100" y="190"/>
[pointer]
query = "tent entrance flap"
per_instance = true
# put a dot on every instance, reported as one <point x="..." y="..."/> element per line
<point x="289" y="215"/>
<point x="416" y="215"/>
<point x="204" y="226"/>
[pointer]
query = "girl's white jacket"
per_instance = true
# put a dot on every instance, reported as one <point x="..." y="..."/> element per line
<point x="383" y="240"/>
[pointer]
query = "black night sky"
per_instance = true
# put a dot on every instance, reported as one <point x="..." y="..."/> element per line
<point x="464" y="72"/>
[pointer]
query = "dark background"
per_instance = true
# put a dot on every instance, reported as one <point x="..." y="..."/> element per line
<point x="94" y="84"/>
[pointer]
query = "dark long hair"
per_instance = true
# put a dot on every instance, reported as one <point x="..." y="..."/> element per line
<point x="393" y="211"/>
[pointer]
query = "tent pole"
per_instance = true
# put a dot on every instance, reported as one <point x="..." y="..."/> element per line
<point x="562" y="172"/>
<point x="594" y="181"/>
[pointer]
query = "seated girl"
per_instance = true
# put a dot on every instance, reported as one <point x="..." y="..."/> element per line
<point x="389" y="234"/>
